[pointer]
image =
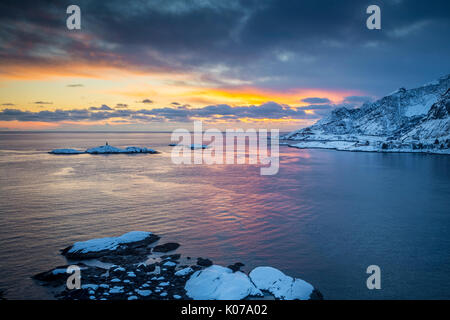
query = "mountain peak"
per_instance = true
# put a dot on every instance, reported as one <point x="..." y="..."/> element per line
<point x="398" y="122"/>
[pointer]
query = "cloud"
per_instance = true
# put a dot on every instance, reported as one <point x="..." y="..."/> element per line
<point x="103" y="107"/>
<point x="8" y="104"/>
<point x="75" y="85"/>
<point x="121" y="105"/>
<point x="250" y="39"/>
<point x="42" y="102"/>
<point x="269" y="110"/>
<point x="146" y="101"/>
<point x="357" y="100"/>
<point x="315" y="100"/>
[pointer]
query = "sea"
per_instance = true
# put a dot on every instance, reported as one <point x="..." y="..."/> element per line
<point x="325" y="217"/>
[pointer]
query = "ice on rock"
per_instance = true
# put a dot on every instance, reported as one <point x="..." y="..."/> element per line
<point x="89" y="286"/>
<point x="119" y="269"/>
<point x="107" y="149"/>
<point x="104" y="149"/>
<point x="110" y="243"/>
<point x="184" y="272"/>
<point x="198" y="146"/>
<point x="280" y="285"/>
<point x="169" y="264"/>
<point x="59" y="271"/>
<point x="116" y="290"/>
<point x="139" y="150"/>
<point x="220" y="283"/>
<point x="66" y="151"/>
<point x="144" y="293"/>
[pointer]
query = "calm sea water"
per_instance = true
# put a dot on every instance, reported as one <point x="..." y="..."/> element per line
<point x="324" y="217"/>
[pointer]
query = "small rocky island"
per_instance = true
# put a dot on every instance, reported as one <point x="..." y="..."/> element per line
<point x="132" y="266"/>
<point x="106" y="149"/>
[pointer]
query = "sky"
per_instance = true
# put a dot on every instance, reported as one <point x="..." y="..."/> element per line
<point x="161" y="64"/>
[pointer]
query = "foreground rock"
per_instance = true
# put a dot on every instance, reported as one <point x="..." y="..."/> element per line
<point x="280" y="285"/>
<point x="220" y="283"/>
<point x="130" y="243"/>
<point x="414" y="120"/>
<point x="138" y="270"/>
<point x="106" y="149"/>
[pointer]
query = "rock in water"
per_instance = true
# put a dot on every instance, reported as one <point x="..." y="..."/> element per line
<point x="280" y="285"/>
<point x="66" y="151"/>
<point x="170" y="246"/>
<point x="204" y="262"/>
<point x="220" y="283"/>
<point x="96" y="248"/>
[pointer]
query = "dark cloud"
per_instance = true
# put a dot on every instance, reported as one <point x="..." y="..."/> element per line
<point x="270" y="43"/>
<point x="146" y="101"/>
<point x="42" y="102"/>
<point x="75" y="85"/>
<point x="103" y="107"/>
<point x="315" y="100"/>
<point x="121" y="105"/>
<point x="269" y="110"/>
<point x="8" y="104"/>
<point x="357" y="99"/>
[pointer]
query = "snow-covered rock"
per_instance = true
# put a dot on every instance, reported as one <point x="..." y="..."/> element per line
<point x="280" y="285"/>
<point x="184" y="272"/>
<point x="220" y="283"/>
<point x="66" y="151"/>
<point x="198" y="146"/>
<point x="415" y="120"/>
<point x="101" y="246"/>
<point x="139" y="150"/>
<point x="106" y="149"/>
<point x="144" y="293"/>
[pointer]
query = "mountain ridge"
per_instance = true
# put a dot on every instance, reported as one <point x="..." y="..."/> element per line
<point x="413" y="120"/>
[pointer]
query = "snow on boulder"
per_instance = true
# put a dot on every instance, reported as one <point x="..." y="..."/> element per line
<point x="104" y="149"/>
<point x="198" y="146"/>
<point x="184" y="272"/>
<point x="66" y="151"/>
<point x="139" y="150"/>
<point x="280" y="285"/>
<point x="95" y="248"/>
<point x="220" y="283"/>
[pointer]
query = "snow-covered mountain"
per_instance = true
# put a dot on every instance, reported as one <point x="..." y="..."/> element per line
<point x="414" y="120"/>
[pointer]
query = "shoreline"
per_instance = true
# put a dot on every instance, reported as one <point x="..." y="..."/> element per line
<point x="123" y="269"/>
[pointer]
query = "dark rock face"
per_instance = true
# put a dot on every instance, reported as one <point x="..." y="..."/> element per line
<point x="204" y="262"/>
<point x="316" y="295"/>
<point x="170" y="246"/>
<point x="236" y="267"/>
